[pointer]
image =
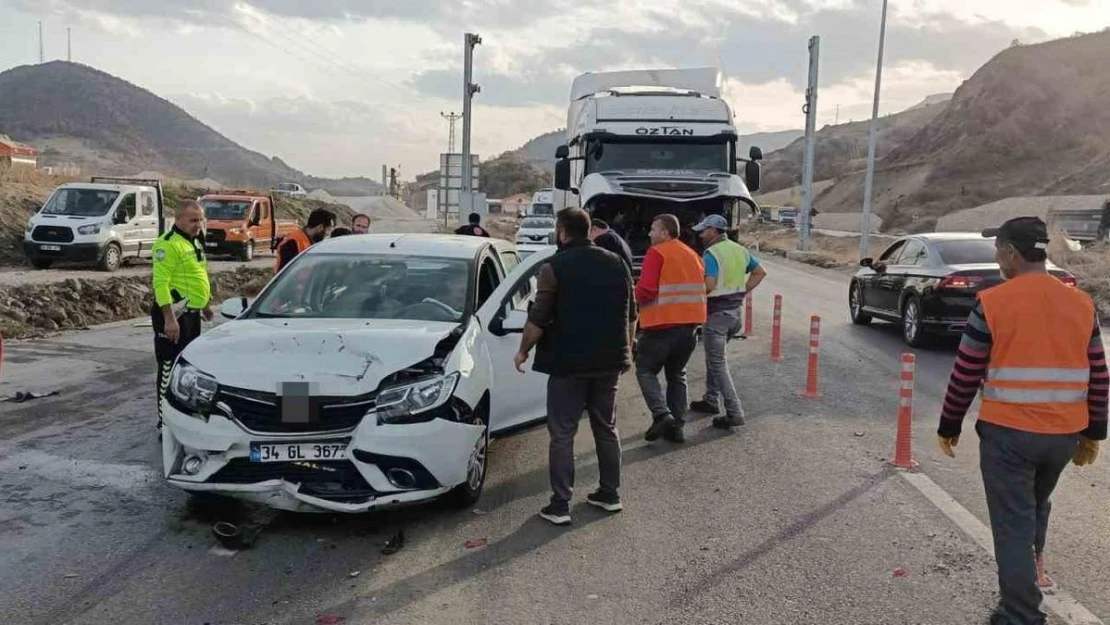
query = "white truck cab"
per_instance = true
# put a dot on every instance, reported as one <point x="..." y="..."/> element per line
<point x="646" y="142"/>
<point x="102" y="222"/>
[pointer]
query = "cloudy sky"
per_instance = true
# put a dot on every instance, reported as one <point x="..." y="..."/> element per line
<point x="339" y="87"/>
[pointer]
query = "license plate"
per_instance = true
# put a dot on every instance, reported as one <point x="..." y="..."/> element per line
<point x="290" y="452"/>
<point x="211" y="244"/>
<point x="50" y="248"/>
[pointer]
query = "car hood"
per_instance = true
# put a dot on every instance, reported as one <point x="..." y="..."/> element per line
<point x="536" y="231"/>
<point x="342" y="356"/>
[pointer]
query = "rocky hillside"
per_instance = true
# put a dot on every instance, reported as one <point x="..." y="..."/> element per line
<point x="1032" y="121"/>
<point x="74" y="113"/>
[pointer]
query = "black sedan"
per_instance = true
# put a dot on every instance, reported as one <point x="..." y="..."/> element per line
<point x="928" y="283"/>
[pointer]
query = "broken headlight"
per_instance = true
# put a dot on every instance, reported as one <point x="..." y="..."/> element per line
<point x="192" y="388"/>
<point x="411" y="403"/>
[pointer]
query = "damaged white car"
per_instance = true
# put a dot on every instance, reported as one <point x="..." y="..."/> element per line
<point x="370" y="372"/>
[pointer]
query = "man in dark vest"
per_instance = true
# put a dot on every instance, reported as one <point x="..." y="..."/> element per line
<point x="582" y="320"/>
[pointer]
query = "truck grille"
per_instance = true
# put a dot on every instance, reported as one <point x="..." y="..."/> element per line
<point x="332" y="480"/>
<point x="258" y="412"/>
<point x="52" y="234"/>
<point x="215" y="236"/>
<point x="677" y="189"/>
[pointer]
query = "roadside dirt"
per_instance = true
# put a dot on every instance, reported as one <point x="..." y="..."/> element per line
<point x="75" y="303"/>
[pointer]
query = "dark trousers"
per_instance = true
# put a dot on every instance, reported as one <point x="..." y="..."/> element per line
<point x="166" y="351"/>
<point x="567" y="398"/>
<point x="667" y="350"/>
<point x="1020" y="471"/>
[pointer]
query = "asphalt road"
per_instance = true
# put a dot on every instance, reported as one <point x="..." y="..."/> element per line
<point x="793" y="519"/>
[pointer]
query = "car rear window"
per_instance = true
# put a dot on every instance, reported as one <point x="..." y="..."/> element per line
<point x="966" y="252"/>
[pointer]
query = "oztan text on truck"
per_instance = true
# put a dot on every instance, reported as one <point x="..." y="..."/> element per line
<point x="645" y="142"/>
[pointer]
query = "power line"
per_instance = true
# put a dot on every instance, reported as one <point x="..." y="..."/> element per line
<point x="451" y="118"/>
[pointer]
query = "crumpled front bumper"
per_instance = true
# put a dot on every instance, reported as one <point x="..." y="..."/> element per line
<point x="439" y="447"/>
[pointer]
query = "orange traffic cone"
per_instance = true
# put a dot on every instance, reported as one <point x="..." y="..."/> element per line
<point x="776" y="330"/>
<point x="814" y="343"/>
<point x="903" y="445"/>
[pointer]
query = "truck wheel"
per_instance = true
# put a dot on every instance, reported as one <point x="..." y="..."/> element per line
<point x="112" y="257"/>
<point x="247" y="255"/>
<point x="41" y="263"/>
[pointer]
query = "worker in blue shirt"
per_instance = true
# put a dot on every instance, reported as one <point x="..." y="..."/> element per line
<point x="731" y="271"/>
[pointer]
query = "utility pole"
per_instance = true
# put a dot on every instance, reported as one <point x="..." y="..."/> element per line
<point x="810" y="108"/>
<point x="470" y="40"/>
<point x="385" y="183"/>
<point x="42" y="56"/>
<point x="865" y="219"/>
<point x="69" y="45"/>
<point x="451" y="118"/>
<point x="836" y="121"/>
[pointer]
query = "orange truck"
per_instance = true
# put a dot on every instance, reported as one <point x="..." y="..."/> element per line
<point x="238" y="223"/>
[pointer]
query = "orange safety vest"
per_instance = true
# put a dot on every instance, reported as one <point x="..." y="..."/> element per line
<point x="681" y="299"/>
<point x="299" y="238"/>
<point x="1039" y="371"/>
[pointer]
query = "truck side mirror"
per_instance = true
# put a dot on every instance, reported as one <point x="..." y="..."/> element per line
<point x="751" y="175"/>
<point x="562" y="152"/>
<point x="755" y="153"/>
<point x="120" y="217"/>
<point x="562" y="175"/>
<point x="256" y="217"/>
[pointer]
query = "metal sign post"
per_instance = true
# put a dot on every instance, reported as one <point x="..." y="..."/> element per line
<point x="806" y="211"/>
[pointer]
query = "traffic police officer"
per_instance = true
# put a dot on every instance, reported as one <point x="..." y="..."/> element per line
<point x="1033" y="347"/>
<point x="182" y="292"/>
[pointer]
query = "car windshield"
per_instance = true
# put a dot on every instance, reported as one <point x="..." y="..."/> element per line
<point x="333" y="286"/>
<point x="966" y="252"/>
<point x="641" y="155"/>
<point x="226" y="209"/>
<point x="543" y="209"/>
<point x="80" y="202"/>
<point x="538" y="224"/>
<point x="287" y="186"/>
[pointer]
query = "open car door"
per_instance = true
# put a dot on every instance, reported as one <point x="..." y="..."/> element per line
<point x="515" y="398"/>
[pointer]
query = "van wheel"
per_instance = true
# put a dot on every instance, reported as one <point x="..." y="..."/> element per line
<point x="247" y="255"/>
<point x="466" y="494"/>
<point x="41" y="263"/>
<point x="112" y="257"/>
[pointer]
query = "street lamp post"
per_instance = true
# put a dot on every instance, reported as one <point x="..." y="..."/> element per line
<point x="865" y="219"/>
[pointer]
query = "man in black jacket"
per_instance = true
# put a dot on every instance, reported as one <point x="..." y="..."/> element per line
<point x="608" y="239"/>
<point x="473" y="227"/>
<point x="582" y="321"/>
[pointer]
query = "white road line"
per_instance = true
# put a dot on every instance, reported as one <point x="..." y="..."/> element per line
<point x="1055" y="599"/>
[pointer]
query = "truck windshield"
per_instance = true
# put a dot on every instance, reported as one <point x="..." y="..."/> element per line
<point x="615" y="156"/>
<point x="226" y="209"/>
<point x="80" y="202"/>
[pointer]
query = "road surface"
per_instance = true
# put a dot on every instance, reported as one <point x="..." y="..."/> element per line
<point x="793" y="519"/>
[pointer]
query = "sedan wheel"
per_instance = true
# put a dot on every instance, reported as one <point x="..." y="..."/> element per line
<point x="912" y="333"/>
<point x="855" y="306"/>
<point x="466" y="494"/>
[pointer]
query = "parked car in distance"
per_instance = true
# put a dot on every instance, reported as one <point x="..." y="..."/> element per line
<point x="536" y="232"/>
<point x="370" y="372"/>
<point x="289" y="188"/>
<point x="928" y="283"/>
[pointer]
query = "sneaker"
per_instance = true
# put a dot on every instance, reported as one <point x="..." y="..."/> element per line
<point x="675" y="434"/>
<point x="704" y="407"/>
<point x="606" y="501"/>
<point x="726" y="423"/>
<point x="659" y="425"/>
<point x="556" y="514"/>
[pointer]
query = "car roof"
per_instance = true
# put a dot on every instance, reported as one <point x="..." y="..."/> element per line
<point x="98" y="186"/>
<point x="947" y="236"/>
<point x="435" y="245"/>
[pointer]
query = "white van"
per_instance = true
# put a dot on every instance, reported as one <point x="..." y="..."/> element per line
<point x="542" y="204"/>
<point x="103" y="222"/>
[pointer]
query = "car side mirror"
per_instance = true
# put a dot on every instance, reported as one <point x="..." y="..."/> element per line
<point x="511" y="323"/>
<point x="562" y="152"/>
<point x="232" y="307"/>
<point x="562" y="175"/>
<point x="755" y="153"/>
<point x="752" y="175"/>
<point x="866" y="262"/>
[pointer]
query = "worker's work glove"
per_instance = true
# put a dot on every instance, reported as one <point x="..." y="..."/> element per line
<point x="947" y="443"/>
<point x="1086" y="453"/>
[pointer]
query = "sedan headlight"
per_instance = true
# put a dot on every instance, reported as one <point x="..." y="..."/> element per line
<point x="192" y="388"/>
<point x="411" y="403"/>
<point x="89" y="229"/>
